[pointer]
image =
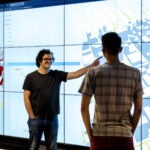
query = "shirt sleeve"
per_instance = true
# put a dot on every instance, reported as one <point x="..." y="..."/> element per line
<point x="27" y="83"/>
<point x="61" y="75"/>
<point x="88" y="84"/>
<point x="138" y="90"/>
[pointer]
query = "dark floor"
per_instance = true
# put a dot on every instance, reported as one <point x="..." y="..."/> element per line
<point x="14" y="143"/>
<point x="42" y="148"/>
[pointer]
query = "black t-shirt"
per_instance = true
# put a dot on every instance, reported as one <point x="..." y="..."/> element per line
<point x="45" y="91"/>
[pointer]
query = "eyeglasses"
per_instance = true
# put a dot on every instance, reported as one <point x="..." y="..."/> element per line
<point x="49" y="59"/>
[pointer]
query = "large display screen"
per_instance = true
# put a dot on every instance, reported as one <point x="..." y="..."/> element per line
<point x="72" y="31"/>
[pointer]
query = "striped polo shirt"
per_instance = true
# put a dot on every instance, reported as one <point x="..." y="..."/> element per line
<point x="114" y="87"/>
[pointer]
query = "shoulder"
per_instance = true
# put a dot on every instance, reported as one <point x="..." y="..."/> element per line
<point x="55" y="72"/>
<point x="58" y="74"/>
<point x="32" y="74"/>
<point x="94" y="71"/>
<point x="132" y="71"/>
<point x="131" y="68"/>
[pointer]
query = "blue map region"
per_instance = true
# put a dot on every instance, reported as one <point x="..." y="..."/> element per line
<point x="134" y="34"/>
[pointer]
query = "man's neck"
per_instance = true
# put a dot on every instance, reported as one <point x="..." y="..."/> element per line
<point x="43" y="71"/>
<point x="113" y="59"/>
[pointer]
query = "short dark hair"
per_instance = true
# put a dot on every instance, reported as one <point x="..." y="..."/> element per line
<point x="40" y="55"/>
<point x="112" y="42"/>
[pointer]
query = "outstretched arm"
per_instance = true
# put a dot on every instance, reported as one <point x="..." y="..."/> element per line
<point x="82" y="71"/>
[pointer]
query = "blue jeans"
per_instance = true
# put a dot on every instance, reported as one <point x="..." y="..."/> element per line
<point x="49" y="127"/>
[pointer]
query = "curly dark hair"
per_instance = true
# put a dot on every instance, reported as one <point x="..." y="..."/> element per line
<point x="40" y="55"/>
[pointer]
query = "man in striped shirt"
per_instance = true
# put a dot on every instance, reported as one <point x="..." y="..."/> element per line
<point x="115" y="87"/>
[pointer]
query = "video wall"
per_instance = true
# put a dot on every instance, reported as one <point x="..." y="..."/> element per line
<point x="72" y="30"/>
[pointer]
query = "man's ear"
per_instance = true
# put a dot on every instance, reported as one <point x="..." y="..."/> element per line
<point x="120" y="50"/>
<point x="104" y="50"/>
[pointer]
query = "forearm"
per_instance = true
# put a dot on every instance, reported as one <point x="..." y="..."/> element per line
<point x="137" y="113"/>
<point x="78" y="73"/>
<point x="27" y="103"/>
<point x="86" y="121"/>
<point x="29" y="108"/>
<point x="82" y="71"/>
<point x="136" y="118"/>
<point x="86" y="115"/>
